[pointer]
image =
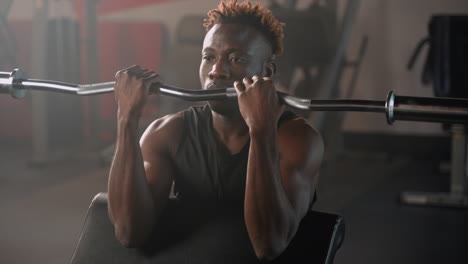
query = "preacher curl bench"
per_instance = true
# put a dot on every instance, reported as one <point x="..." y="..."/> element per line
<point x="318" y="238"/>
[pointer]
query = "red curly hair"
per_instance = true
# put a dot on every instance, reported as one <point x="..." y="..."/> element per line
<point x="251" y="14"/>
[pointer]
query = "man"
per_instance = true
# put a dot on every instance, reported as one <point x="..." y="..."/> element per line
<point x="245" y="153"/>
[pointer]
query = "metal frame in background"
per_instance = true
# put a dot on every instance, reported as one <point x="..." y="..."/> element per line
<point x="458" y="194"/>
<point x="41" y="153"/>
<point x="40" y="150"/>
<point x="7" y="38"/>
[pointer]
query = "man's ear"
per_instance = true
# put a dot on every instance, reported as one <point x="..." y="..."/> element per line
<point x="270" y="69"/>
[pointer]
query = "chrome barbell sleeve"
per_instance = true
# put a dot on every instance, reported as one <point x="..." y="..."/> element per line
<point x="426" y="109"/>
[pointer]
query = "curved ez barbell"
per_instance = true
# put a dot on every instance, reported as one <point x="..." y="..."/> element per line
<point x="410" y="108"/>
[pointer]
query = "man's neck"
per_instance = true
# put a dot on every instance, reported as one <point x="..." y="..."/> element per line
<point x="232" y="132"/>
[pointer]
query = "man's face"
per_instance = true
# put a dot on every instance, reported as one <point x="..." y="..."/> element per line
<point x="230" y="53"/>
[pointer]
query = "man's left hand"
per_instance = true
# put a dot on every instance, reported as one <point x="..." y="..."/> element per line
<point x="258" y="103"/>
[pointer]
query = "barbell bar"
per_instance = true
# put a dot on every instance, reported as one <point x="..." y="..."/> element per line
<point x="409" y="108"/>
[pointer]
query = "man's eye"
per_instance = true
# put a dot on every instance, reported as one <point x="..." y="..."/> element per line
<point x="208" y="58"/>
<point x="238" y="60"/>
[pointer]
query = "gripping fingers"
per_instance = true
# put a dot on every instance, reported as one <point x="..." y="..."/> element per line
<point x="151" y="76"/>
<point x="152" y="82"/>
<point x="256" y="78"/>
<point x="240" y="87"/>
<point x="120" y="72"/>
<point x="247" y="81"/>
<point x="133" y="71"/>
<point x="145" y="74"/>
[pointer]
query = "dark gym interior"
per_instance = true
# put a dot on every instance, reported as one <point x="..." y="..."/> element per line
<point x="402" y="189"/>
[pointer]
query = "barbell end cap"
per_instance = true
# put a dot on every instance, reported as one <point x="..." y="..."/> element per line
<point x="16" y="88"/>
<point x="390" y="107"/>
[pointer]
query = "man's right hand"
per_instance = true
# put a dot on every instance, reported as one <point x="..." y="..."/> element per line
<point x="132" y="87"/>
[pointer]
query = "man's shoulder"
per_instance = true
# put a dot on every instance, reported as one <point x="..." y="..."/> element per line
<point x="293" y="124"/>
<point x="167" y="122"/>
<point x="297" y="132"/>
<point x="300" y="144"/>
<point x="165" y="129"/>
<point x="172" y="125"/>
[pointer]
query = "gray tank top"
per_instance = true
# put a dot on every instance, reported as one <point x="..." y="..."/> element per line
<point x="206" y="224"/>
<point x="206" y="172"/>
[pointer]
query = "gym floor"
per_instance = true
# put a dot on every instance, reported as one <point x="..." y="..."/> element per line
<point x="42" y="209"/>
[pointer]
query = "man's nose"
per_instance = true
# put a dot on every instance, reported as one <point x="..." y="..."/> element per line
<point x="220" y="70"/>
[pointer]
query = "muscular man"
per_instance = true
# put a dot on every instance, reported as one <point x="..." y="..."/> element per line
<point x="248" y="153"/>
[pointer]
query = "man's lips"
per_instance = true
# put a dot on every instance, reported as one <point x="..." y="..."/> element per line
<point x="218" y="86"/>
<point x="223" y="89"/>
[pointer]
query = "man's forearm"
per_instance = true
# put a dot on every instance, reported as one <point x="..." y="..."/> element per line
<point x="269" y="216"/>
<point x="131" y="207"/>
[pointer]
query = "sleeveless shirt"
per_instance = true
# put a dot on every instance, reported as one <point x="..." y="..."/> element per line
<point x="206" y="172"/>
<point x="207" y="224"/>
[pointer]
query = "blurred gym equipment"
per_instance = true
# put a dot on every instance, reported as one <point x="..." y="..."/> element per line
<point x="446" y="69"/>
